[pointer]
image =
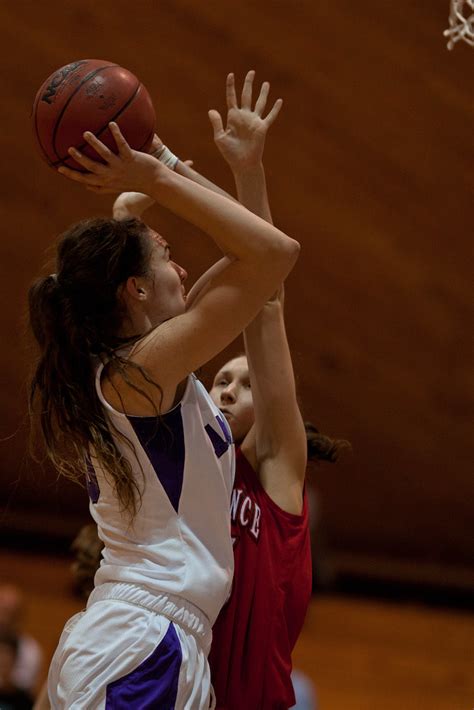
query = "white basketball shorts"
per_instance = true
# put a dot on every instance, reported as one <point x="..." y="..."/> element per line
<point x="131" y="650"/>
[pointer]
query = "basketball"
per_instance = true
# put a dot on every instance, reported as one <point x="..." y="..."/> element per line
<point x="85" y="96"/>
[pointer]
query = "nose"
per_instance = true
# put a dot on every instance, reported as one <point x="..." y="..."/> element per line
<point x="182" y="273"/>
<point x="229" y="395"/>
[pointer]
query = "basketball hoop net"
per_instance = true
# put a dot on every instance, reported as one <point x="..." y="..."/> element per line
<point x="461" y="22"/>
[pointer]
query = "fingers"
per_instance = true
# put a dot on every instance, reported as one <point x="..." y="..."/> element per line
<point x="268" y="120"/>
<point x="84" y="178"/>
<point x="216" y="122"/>
<point x="230" y="92"/>
<point x="246" y="100"/>
<point x="262" y="98"/>
<point x="91" y="165"/>
<point x="123" y="148"/>
<point x="98" y="146"/>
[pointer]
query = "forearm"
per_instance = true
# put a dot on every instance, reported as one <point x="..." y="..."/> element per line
<point x="191" y="174"/>
<point x="252" y="192"/>
<point x="235" y="230"/>
<point x="134" y="204"/>
<point x="202" y="284"/>
<point x="251" y="189"/>
<point x="269" y="356"/>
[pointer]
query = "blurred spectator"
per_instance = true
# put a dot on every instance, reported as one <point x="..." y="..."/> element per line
<point x="29" y="655"/>
<point x="11" y="696"/>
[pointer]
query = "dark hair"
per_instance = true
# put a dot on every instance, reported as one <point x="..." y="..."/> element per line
<point x="76" y="314"/>
<point x="322" y="447"/>
<point x="87" y="548"/>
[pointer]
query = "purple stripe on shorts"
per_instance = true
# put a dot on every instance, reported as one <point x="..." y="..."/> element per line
<point x="153" y="684"/>
<point x="163" y="442"/>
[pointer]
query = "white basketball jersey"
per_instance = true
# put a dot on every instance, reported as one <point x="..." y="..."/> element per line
<point x="179" y="541"/>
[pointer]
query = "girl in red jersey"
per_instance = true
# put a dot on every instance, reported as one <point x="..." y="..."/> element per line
<point x="257" y="629"/>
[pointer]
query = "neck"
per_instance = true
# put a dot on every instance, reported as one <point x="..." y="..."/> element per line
<point x="135" y="325"/>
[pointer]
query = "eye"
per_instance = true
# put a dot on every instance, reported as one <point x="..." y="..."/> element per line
<point x="221" y="383"/>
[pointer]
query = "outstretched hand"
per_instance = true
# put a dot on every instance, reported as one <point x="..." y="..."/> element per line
<point x="127" y="170"/>
<point x="242" y="141"/>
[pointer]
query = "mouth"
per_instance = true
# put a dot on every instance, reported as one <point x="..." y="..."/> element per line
<point x="226" y="413"/>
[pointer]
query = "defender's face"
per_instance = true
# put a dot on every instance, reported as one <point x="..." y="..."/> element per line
<point x="232" y="394"/>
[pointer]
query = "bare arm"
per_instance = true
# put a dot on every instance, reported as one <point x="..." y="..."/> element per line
<point x="276" y="445"/>
<point x="184" y="343"/>
<point x="134" y="204"/>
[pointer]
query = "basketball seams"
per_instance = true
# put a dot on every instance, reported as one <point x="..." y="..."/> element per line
<point x="38" y="139"/>
<point x="68" y="115"/>
<point x="99" y="133"/>
<point x="91" y="75"/>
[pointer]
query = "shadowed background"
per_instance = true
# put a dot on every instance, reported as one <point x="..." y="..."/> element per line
<point x="369" y="166"/>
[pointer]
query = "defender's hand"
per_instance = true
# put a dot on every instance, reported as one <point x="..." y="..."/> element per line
<point x="242" y="141"/>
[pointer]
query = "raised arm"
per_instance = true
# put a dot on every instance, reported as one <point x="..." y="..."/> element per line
<point x="185" y="342"/>
<point x="276" y="444"/>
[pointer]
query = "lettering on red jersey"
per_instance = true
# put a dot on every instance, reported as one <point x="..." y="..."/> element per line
<point x="245" y="512"/>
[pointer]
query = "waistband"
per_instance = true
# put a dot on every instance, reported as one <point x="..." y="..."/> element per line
<point x="174" y="608"/>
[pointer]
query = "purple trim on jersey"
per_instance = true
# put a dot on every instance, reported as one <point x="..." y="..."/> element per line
<point x="225" y="428"/>
<point x="220" y="445"/>
<point x="163" y="442"/>
<point x="91" y="482"/>
<point x="154" y="683"/>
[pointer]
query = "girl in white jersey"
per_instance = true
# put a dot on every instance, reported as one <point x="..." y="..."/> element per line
<point x="256" y="630"/>
<point x="117" y="402"/>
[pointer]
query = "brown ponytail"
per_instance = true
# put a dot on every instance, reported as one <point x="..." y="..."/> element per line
<point x="76" y="316"/>
<point x="322" y="447"/>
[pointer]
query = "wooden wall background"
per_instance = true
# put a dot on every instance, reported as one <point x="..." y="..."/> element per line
<point x="370" y="166"/>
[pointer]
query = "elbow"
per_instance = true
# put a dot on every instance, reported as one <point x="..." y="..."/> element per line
<point x="290" y="251"/>
<point x="295" y="248"/>
<point x="285" y="257"/>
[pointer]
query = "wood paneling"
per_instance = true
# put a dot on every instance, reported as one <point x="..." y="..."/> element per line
<point x="369" y="166"/>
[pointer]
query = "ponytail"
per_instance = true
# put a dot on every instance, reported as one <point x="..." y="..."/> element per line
<point x="322" y="447"/>
<point x="75" y="316"/>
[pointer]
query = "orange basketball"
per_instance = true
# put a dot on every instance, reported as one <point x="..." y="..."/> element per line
<point x="85" y="96"/>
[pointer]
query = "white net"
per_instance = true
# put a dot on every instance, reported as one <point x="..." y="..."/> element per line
<point x="461" y="22"/>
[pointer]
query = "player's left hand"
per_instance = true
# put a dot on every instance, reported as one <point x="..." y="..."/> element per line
<point x="242" y="141"/>
<point x="119" y="172"/>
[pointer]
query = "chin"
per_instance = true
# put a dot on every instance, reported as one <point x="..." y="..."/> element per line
<point x="237" y="436"/>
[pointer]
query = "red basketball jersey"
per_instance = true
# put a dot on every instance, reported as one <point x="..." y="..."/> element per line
<point x="257" y="629"/>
